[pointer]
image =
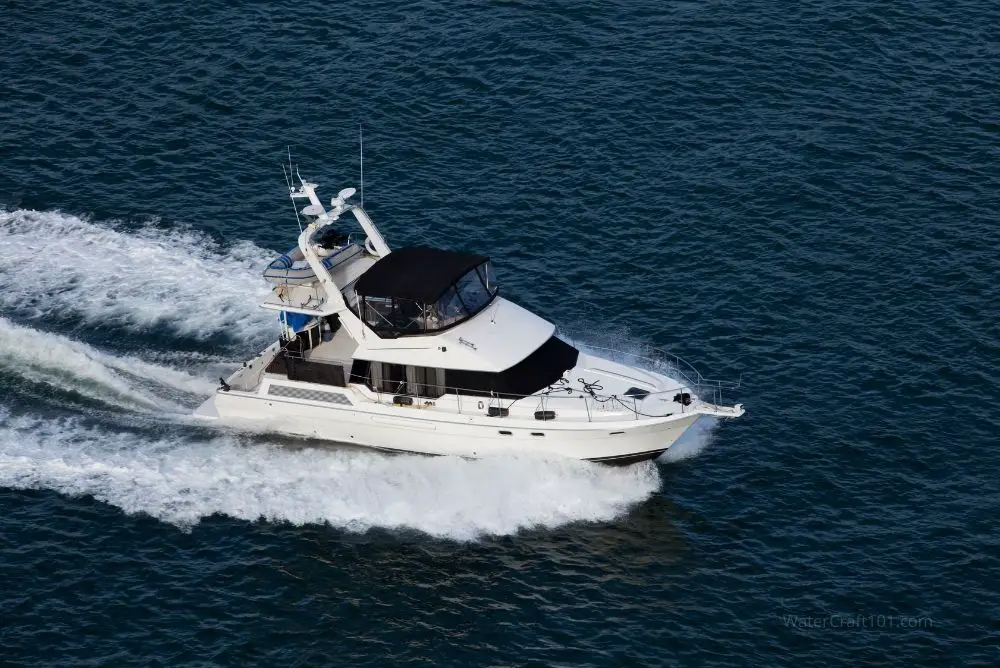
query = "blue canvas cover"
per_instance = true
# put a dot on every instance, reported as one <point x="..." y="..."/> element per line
<point x="295" y="321"/>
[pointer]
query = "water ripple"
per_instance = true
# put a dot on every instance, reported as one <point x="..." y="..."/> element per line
<point x="806" y="194"/>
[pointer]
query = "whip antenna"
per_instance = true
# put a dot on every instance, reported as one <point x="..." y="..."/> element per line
<point x="289" y="179"/>
<point x="361" y="150"/>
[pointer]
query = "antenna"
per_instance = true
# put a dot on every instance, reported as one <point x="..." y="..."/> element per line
<point x="361" y="148"/>
<point x="287" y="182"/>
<point x="291" y="187"/>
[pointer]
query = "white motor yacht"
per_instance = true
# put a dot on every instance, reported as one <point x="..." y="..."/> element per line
<point x="414" y="350"/>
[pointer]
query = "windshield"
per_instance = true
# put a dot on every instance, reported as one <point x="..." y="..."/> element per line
<point x="466" y="297"/>
<point x="473" y="291"/>
<point x="447" y="310"/>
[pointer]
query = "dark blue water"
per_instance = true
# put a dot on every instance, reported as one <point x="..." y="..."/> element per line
<point x="804" y="193"/>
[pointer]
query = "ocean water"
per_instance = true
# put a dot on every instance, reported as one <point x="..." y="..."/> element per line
<point x="806" y="195"/>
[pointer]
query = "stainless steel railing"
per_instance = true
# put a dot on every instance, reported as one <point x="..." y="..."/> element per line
<point x="674" y="366"/>
<point x="594" y="402"/>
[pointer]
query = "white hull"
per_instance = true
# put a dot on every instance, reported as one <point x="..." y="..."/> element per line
<point x="412" y="429"/>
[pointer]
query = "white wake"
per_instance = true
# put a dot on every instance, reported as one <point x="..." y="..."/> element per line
<point x="142" y="278"/>
<point x="182" y="481"/>
<point x="61" y="362"/>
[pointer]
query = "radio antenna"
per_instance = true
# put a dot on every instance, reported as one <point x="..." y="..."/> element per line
<point x="287" y="182"/>
<point x="291" y="187"/>
<point x="361" y="149"/>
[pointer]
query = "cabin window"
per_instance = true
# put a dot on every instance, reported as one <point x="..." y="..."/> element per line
<point x="399" y="379"/>
<point x="379" y="312"/>
<point x="413" y="291"/>
<point x="405" y="316"/>
<point x="485" y="272"/>
<point x="390" y="378"/>
<point x="424" y="381"/>
<point x="447" y="310"/>
<point x="360" y="370"/>
<point x="535" y="372"/>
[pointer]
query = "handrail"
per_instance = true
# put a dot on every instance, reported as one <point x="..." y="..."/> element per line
<point x="679" y="364"/>
<point x="594" y="403"/>
<point x="312" y="291"/>
<point x="506" y="400"/>
<point x="690" y="380"/>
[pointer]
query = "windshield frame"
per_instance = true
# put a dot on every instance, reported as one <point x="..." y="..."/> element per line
<point x="466" y="296"/>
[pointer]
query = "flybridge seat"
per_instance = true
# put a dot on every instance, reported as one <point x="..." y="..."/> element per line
<point x="416" y="290"/>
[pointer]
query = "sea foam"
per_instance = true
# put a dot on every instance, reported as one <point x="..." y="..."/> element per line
<point x="126" y="381"/>
<point x="185" y="479"/>
<point x="140" y="278"/>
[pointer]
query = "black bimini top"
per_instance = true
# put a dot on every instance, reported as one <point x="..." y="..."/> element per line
<point x="416" y="272"/>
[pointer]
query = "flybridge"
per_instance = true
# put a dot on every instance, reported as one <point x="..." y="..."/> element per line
<point x="393" y="303"/>
<point x="316" y="277"/>
<point x="412" y="291"/>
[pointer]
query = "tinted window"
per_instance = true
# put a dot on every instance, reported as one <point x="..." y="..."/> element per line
<point x="447" y="310"/>
<point x="486" y="272"/>
<point x="535" y="372"/>
<point x="472" y="291"/>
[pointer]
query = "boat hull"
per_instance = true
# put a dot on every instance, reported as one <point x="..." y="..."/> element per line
<point x="412" y="430"/>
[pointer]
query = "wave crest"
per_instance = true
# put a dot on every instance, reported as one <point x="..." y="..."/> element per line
<point x="145" y="278"/>
<point x="183" y="480"/>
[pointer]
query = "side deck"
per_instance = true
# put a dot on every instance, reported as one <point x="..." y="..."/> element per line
<point x="595" y="390"/>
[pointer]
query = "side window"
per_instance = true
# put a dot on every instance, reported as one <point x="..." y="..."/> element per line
<point x="486" y="274"/>
<point x="361" y="371"/>
<point x="424" y="381"/>
<point x="388" y="378"/>
<point x="399" y="379"/>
